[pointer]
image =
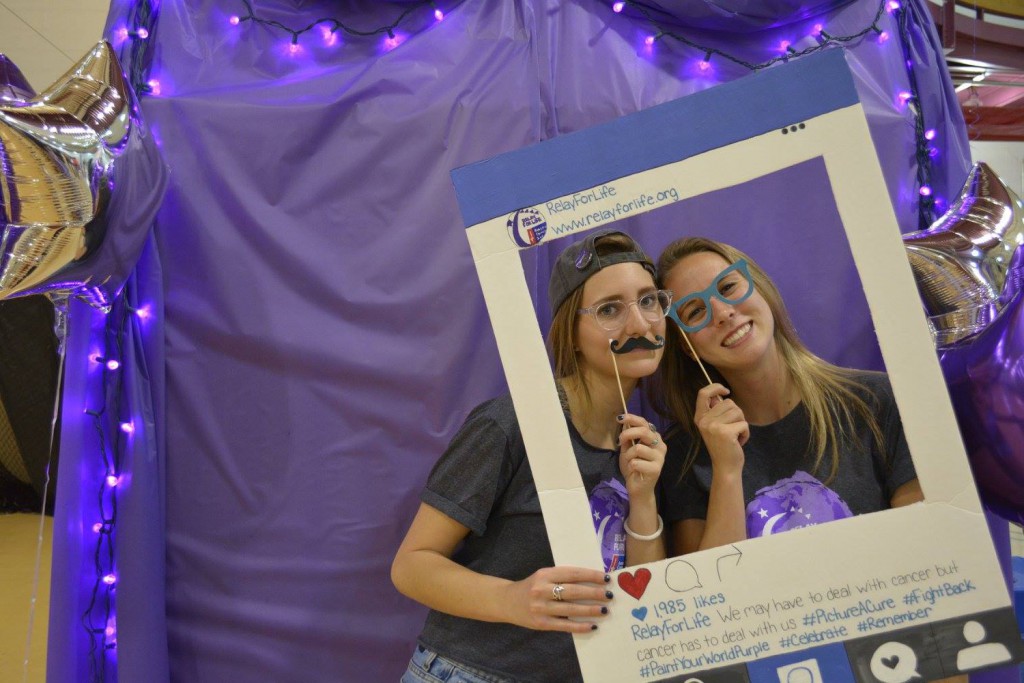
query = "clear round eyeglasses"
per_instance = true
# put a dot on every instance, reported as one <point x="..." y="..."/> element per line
<point x="613" y="315"/>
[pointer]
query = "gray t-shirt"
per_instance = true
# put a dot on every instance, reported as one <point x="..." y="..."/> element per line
<point x="484" y="482"/>
<point x="780" y="488"/>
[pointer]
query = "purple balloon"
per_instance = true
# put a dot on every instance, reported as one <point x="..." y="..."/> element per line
<point x="986" y="384"/>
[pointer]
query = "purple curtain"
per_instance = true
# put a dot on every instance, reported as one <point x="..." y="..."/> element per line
<point x="318" y="332"/>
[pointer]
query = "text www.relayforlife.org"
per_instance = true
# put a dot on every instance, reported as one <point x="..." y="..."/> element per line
<point x="621" y="209"/>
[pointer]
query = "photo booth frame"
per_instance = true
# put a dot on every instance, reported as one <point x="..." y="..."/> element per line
<point x="894" y="596"/>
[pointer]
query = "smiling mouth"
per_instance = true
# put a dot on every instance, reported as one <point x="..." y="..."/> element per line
<point x="738" y="335"/>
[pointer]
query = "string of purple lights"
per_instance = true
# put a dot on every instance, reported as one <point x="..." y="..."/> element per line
<point x="925" y="151"/>
<point x="98" y="619"/>
<point x="329" y="27"/>
<point x="114" y="426"/>
<point x="111" y="417"/>
<point x="820" y="38"/>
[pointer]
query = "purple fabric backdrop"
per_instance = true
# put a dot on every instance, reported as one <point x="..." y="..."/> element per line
<point x="323" y="331"/>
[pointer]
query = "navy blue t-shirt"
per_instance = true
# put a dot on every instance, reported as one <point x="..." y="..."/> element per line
<point x="780" y="487"/>
<point x="484" y="482"/>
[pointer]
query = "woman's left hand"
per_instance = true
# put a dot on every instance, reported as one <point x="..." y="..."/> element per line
<point x="641" y="454"/>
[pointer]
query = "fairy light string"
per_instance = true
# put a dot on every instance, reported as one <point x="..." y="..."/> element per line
<point x="112" y="422"/>
<point x="330" y="26"/>
<point x="139" y="29"/>
<point x="824" y="39"/>
<point x="924" y="151"/>
<point x="111" y="417"/>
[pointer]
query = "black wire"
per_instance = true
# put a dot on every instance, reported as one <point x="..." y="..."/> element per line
<point x="139" y="55"/>
<point x="922" y="150"/>
<point x="338" y="25"/>
<point x="707" y="50"/>
<point x="926" y="203"/>
<point x="102" y="598"/>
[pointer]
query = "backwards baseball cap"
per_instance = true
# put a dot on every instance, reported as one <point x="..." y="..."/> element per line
<point x="581" y="260"/>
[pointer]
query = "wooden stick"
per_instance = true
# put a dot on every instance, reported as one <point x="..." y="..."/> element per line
<point x="622" y="395"/>
<point x="695" y="356"/>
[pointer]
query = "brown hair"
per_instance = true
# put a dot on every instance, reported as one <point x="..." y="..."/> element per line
<point x="830" y="394"/>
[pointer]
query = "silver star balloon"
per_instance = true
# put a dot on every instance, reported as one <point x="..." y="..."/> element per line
<point x="962" y="261"/>
<point x="969" y="268"/>
<point x="60" y="151"/>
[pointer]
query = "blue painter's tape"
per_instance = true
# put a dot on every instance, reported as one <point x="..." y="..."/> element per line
<point x="667" y="133"/>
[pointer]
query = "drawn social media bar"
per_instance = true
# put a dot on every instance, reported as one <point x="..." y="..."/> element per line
<point x="673" y="170"/>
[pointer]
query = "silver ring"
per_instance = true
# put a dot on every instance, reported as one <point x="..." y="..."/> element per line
<point x="655" y="442"/>
<point x="557" y="590"/>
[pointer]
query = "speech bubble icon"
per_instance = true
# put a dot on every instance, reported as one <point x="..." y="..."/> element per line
<point x="894" y="663"/>
<point x="680" y="576"/>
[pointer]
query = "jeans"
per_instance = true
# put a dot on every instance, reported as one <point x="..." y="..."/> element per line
<point x="426" y="666"/>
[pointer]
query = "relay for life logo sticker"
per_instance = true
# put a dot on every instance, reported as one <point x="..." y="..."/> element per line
<point x="527" y="227"/>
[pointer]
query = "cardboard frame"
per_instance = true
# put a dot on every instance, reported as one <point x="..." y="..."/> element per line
<point x="892" y="595"/>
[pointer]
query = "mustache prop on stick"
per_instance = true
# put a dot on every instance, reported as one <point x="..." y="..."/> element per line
<point x="637" y="343"/>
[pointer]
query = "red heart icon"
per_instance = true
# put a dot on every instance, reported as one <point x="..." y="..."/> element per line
<point x="636" y="583"/>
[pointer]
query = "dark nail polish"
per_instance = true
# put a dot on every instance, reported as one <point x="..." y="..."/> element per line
<point x="609" y="594"/>
<point x="620" y="418"/>
<point x="593" y="627"/>
<point x="607" y="578"/>
<point x="604" y="610"/>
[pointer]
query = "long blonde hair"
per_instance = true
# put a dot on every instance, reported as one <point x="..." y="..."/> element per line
<point x="830" y="394"/>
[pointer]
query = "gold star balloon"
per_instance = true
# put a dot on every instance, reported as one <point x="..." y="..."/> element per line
<point x="66" y="225"/>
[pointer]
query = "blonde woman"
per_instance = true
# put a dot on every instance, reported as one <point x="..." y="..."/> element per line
<point x="778" y="438"/>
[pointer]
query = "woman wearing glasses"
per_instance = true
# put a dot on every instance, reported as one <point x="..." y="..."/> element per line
<point x="477" y="551"/>
<point x="771" y="437"/>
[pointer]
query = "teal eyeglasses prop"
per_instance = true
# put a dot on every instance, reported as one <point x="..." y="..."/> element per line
<point x="733" y="286"/>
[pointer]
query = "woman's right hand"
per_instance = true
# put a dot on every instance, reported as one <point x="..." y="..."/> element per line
<point x="722" y="426"/>
<point x="532" y="603"/>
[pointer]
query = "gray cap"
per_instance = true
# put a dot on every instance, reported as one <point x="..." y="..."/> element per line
<point x="580" y="261"/>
